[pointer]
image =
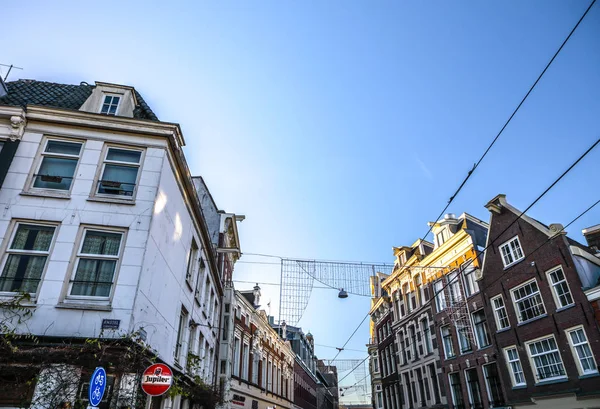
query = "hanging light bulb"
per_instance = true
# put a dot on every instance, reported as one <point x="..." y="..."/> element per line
<point x="343" y="294"/>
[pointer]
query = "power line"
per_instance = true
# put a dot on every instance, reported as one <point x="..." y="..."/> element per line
<point x="345" y="349"/>
<point x="476" y="165"/>
<point x="492" y="241"/>
<point x="353" y="369"/>
<point x="346" y="343"/>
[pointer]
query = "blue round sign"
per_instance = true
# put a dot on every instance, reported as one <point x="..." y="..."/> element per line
<point x="97" y="386"/>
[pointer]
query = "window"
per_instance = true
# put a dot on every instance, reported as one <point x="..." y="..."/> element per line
<point x="546" y="359"/>
<point x="560" y="289"/>
<point x="511" y="252"/>
<point x="245" y="362"/>
<point x="375" y="363"/>
<point x="471" y="286"/>
<point x="500" y="313"/>
<point x="528" y="301"/>
<point x="191" y="264"/>
<point x="413" y="341"/>
<point x="440" y="299"/>
<point x="514" y="364"/>
<point x="110" y="105"/>
<point x="236" y="357"/>
<point x="454" y="287"/>
<point x="379" y="400"/>
<point x="464" y="337"/>
<point x="120" y="172"/>
<point x="426" y="336"/>
<point x="200" y="351"/>
<point x="457" y="398"/>
<point x="96" y="264"/>
<point x="206" y="294"/>
<point x="582" y="352"/>
<point x="191" y="339"/>
<point x="441" y="237"/>
<point x="57" y="165"/>
<point x="201" y="272"/>
<point x="481" y="329"/>
<point x="420" y="288"/>
<point x="180" y="334"/>
<point x="473" y="388"/>
<point x="26" y="258"/>
<point x="447" y="340"/>
<point x="493" y="385"/>
<point x="1" y="145"/>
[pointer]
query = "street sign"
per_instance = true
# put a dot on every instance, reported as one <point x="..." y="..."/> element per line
<point x="97" y="386"/>
<point x="111" y="324"/>
<point x="157" y="379"/>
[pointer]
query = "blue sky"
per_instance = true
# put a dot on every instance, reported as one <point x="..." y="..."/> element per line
<point x="340" y="128"/>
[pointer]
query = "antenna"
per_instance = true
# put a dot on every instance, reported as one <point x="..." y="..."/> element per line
<point x="10" y="67"/>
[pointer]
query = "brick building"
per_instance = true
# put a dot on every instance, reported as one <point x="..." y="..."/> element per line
<point x="546" y="338"/>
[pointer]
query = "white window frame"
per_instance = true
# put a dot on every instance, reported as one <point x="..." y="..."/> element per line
<point x="576" y="357"/>
<point x="511" y="371"/>
<point x="452" y="393"/>
<point x="507" y="245"/>
<point x="102" y="166"/>
<point x="180" y="336"/>
<point x="515" y="301"/>
<point x="443" y="338"/>
<point x="6" y="251"/>
<point x="496" y="310"/>
<point x="469" y="279"/>
<point x="39" y="157"/>
<point x="200" y="280"/>
<point x="191" y="263"/>
<point x="440" y="299"/>
<point x="553" y="286"/>
<point x="532" y="360"/>
<point x="112" y="96"/>
<point x="77" y="256"/>
<point x="485" y="326"/>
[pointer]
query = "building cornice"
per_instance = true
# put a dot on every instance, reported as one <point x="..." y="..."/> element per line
<point x="119" y="123"/>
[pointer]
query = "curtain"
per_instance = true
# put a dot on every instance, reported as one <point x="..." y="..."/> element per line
<point x="22" y="273"/>
<point x="29" y="237"/>
<point x="126" y="175"/>
<point x="101" y="243"/>
<point x="94" y="277"/>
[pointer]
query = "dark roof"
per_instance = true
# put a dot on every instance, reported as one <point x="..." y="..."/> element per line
<point x="66" y="96"/>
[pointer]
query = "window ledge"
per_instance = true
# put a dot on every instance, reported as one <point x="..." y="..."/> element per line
<point x="532" y="320"/>
<point x="552" y="381"/>
<point x="502" y="330"/>
<point x="519" y="387"/>
<point x="565" y="308"/>
<point x="8" y="297"/>
<point x="47" y="194"/>
<point x="513" y="263"/>
<point x="83" y="306"/>
<point x="110" y="200"/>
<point x="589" y="375"/>
<point x="484" y="348"/>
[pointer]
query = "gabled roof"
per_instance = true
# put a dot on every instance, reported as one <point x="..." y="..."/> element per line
<point x="65" y="96"/>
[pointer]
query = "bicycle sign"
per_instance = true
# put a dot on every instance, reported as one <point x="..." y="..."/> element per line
<point x="97" y="386"/>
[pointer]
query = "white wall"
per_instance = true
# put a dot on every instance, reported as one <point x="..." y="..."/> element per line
<point x="163" y="289"/>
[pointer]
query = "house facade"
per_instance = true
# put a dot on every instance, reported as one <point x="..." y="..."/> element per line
<point x="256" y="364"/>
<point x="546" y="337"/>
<point x="103" y="232"/>
<point x="418" y="373"/>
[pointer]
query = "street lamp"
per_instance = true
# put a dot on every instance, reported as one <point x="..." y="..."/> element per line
<point x="343" y="294"/>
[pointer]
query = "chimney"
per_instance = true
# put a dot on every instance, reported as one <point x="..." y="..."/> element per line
<point x="592" y="236"/>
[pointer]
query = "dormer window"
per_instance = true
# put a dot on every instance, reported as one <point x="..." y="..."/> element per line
<point x="110" y="105"/>
<point x="441" y="237"/>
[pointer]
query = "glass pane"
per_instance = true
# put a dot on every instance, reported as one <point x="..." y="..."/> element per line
<point x="118" y="180"/>
<point x="30" y="237"/>
<point x="112" y="110"/>
<point x="101" y="243"/>
<point x="94" y="277"/>
<point x="55" y="173"/>
<point x="107" y="99"/>
<point x="22" y="273"/>
<point x="123" y="155"/>
<point x="68" y="148"/>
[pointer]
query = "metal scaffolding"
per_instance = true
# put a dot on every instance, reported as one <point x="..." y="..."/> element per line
<point x="298" y="277"/>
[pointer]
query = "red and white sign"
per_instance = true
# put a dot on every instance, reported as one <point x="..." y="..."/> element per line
<point x="157" y="379"/>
